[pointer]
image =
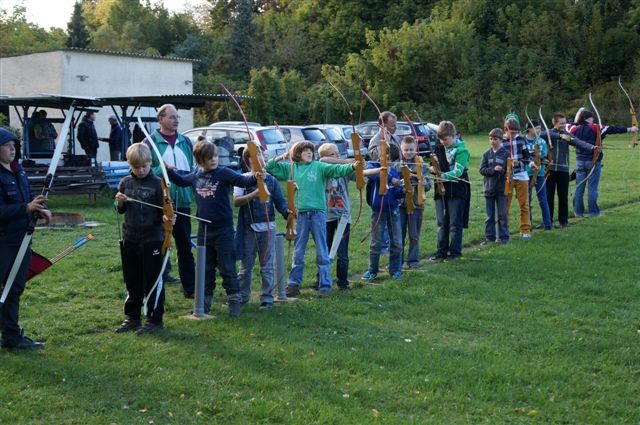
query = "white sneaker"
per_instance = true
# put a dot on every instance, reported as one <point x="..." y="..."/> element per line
<point x="526" y="235"/>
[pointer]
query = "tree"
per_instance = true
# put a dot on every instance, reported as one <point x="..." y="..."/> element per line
<point x="78" y="36"/>
<point x="241" y="39"/>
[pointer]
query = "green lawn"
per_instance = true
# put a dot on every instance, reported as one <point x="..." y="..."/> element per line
<point x="540" y="331"/>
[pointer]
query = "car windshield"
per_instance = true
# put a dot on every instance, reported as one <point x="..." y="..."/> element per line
<point x="332" y="135"/>
<point x="346" y="131"/>
<point x="313" y="134"/>
<point x="403" y="130"/>
<point x="270" y="136"/>
<point x="367" y="129"/>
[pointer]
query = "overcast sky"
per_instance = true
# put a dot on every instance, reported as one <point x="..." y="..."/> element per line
<point x="56" y="13"/>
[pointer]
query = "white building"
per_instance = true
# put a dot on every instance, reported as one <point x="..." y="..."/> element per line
<point x="96" y="73"/>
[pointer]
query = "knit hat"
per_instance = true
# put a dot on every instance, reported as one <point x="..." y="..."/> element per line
<point x="512" y="116"/>
<point x="535" y="124"/>
<point x="7" y="136"/>
<point x="496" y="132"/>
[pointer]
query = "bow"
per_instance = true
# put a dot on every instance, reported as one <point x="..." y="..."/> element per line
<point x="420" y="177"/>
<point x="257" y="167"/>
<point x="596" y="152"/>
<point x="357" y="155"/>
<point x="537" y="160"/>
<point x="509" y="172"/>
<point x="440" y="189"/>
<point x="167" y="210"/>
<point x="634" y="118"/>
<point x="383" y="149"/>
<point x="292" y="188"/>
<point x="408" y="189"/>
<point x="549" y="145"/>
<point x="48" y="182"/>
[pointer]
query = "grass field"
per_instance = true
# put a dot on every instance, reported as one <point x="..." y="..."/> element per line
<point x="539" y="331"/>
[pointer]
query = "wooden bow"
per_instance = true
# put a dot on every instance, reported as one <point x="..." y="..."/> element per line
<point x="48" y="182"/>
<point x="634" y="117"/>
<point x="440" y="189"/>
<point x="420" y="177"/>
<point x="383" y="149"/>
<point x="536" y="161"/>
<point x="357" y="155"/>
<point x="509" y="172"/>
<point x="549" y="144"/>
<point x="292" y="188"/>
<point x="408" y="189"/>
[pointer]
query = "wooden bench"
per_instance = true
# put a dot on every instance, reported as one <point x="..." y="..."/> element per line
<point x="84" y="180"/>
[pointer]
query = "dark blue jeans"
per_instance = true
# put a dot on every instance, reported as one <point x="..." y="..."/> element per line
<point x="11" y="308"/>
<point x="411" y="224"/>
<point x="449" y="215"/>
<point x="221" y="255"/>
<point x="342" y="256"/>
<point x="497" y="214"/>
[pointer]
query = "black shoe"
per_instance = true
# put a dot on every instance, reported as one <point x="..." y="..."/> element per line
<point x="150" y="328"/>
<point x="189" y="296"/>
<point x="437" y="258"/>
<point x="234" y="308"/>
<point x="24" y="343"/>
<point x="293" y="291"/>
<point x="266" y="306"/>
<point x="128" y="325"/>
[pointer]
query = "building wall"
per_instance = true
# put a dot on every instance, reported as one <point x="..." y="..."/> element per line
<point x="93" y="74"/>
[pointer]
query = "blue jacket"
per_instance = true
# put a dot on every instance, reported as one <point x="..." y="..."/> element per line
<point x="15" y="194"/>
<point x="391" y="200"/>
<point x="587" y="133"/>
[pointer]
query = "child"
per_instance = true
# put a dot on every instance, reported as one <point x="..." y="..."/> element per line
<point x="212" y="185"/>
<point x="311" y="204"/>
<point x="532" y="140"/>
<point x="451" y="207"/>
<point x="256" y="234"/>
<point x="519" y="157"/>
<point x="412" y="223"/>
<point x="385" y="217"/>
<point x="338" y="209"/>
<point x="142" y="237"/>
<point x="17" y="207"/>
<point x="493" y="167"/>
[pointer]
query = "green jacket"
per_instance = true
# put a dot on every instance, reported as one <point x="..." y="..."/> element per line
<point x="311" y="180"/>
<point x="180" y="156"/>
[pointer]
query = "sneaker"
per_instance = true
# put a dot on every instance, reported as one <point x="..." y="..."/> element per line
<point x="293" y="291"/>
<point x="323" y="293"/>
<point x="24" y="343"/>
<point x="234" y="308"/>
<point x="526" y="236"/>
<point x="266" y="306"/>
<point x="437" y="258"/>
<point x="150" y="328"/>
<point x="369" y="275"/>
<point x="396" y="276"/>
<point x="128" y="325"/>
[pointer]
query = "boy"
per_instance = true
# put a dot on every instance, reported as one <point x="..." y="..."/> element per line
<point x="411" y="223"/>
<point x="338" y="210"/>
<point x="142" y="236"/>
<point x="493" y="167"/>
<point x="212" y="185"/>
<point x="310" y="176"/>
<point x="17" y="209"/>
<point x="451" y="207"/>
<point x="532" y="140"/>
<point x="514" y="143"/>
<point x="256" y="234"/>
<point x="385" y="217"/>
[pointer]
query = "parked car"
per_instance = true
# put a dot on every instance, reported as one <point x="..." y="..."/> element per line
<point x="346" y="131"/>
<point x="227" y="123"/>
<point x="335" y="136"/>
<point x="424" y="134"/>
<point x="232" y="140"/>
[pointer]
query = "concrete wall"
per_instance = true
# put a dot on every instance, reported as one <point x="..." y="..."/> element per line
<point x="93" y="74"/>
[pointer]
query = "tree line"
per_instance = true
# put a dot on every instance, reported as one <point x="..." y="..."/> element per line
<point x="470" y="61"/>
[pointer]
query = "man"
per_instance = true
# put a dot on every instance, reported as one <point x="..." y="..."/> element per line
<point x="177" y="151"/>
<point x="114" y="139"/>
<point x="559" y="176"/>
<point x="87" y="135"/>
<point x="44" y="133"/>
<point x="387" y="120"/>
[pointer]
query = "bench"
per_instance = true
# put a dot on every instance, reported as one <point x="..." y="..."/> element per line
<point x="114" y="172"/>
<point x="81" y="180"/>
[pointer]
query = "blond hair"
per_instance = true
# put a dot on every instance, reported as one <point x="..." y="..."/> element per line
<point x="139" y="155"/>
<point x="326" y="149"/>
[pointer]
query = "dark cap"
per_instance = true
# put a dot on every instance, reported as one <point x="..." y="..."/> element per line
<point x="7" y="136"/>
